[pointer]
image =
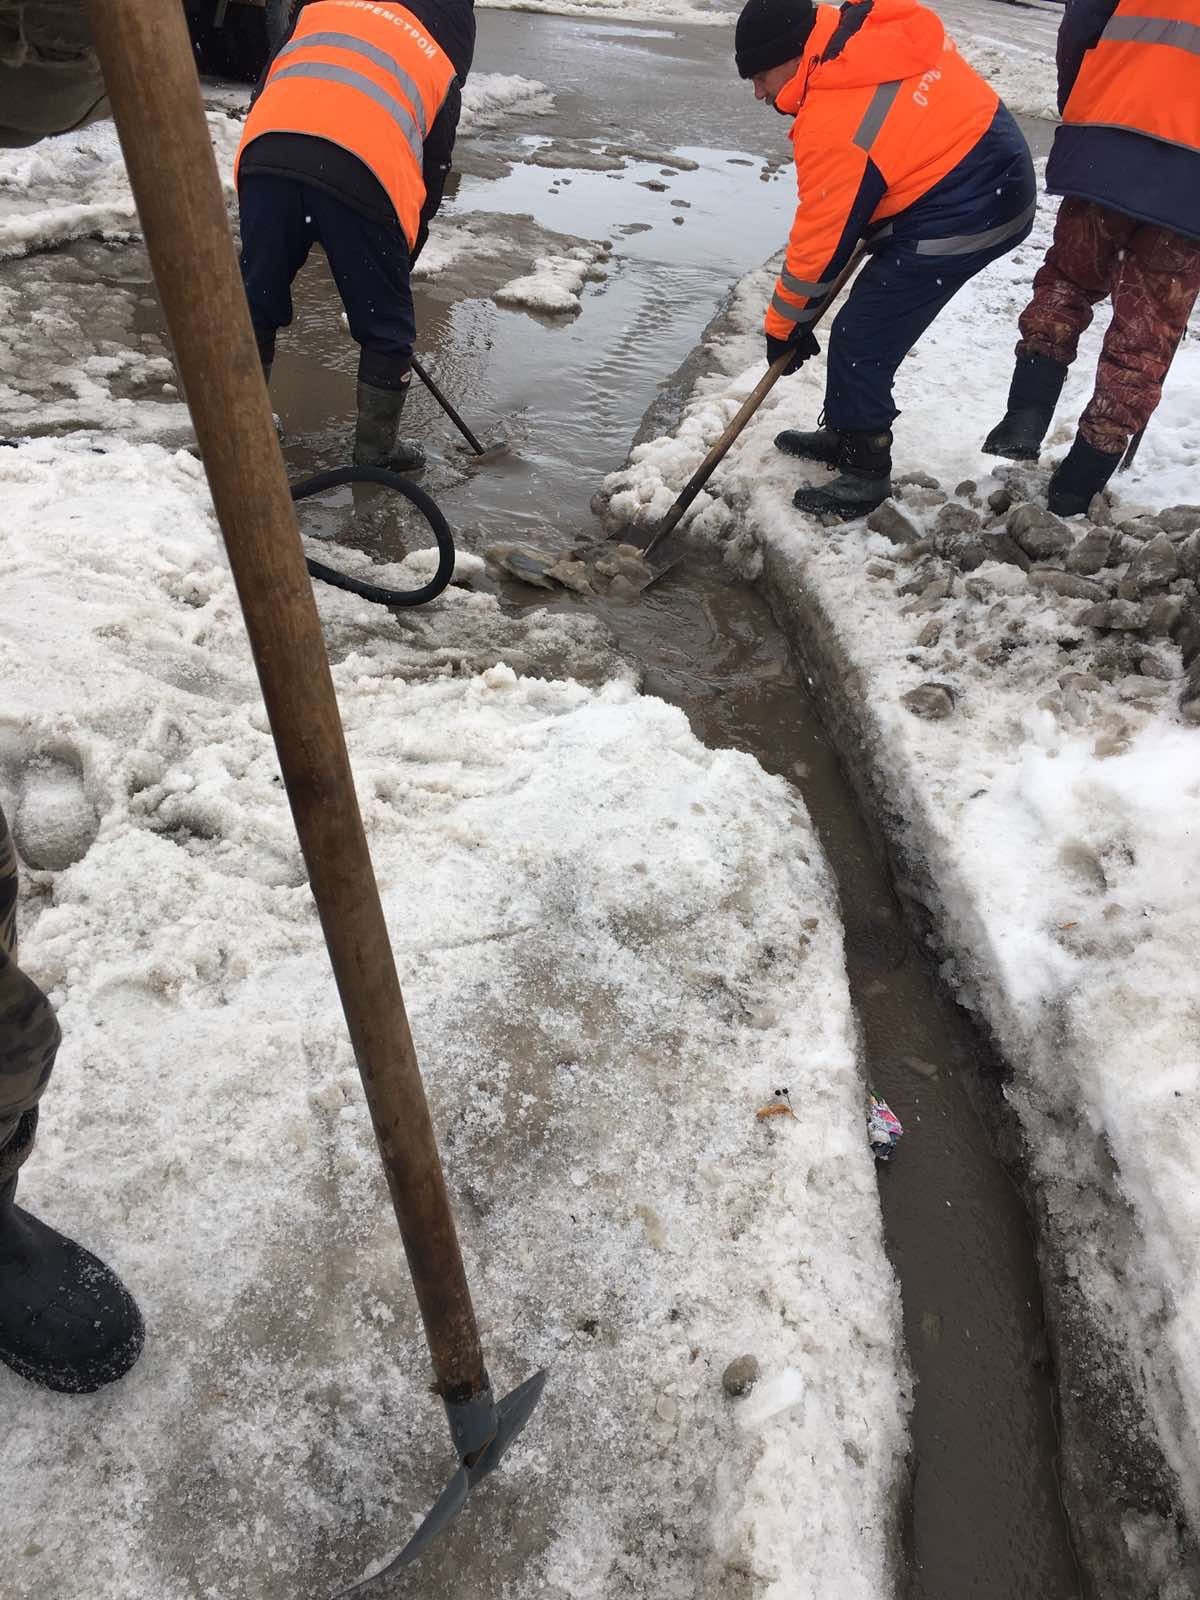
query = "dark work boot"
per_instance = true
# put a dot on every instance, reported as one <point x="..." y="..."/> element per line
<point x="1037" y="383"/>
<point x="823" y="444"/>
<point x="1079" y="478"/>
<point x="375" y="441"/>
<point x="66" y="1321"/>
<point x="865" y="480"/>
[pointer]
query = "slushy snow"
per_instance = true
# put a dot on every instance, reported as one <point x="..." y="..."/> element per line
<point x="616" y="945"/>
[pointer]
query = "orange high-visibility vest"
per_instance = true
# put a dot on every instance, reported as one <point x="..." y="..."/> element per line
<point x="1144" y="73"/>
<point x="366" y="75"/>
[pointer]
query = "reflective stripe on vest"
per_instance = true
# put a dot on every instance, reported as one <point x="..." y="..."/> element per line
<point x="1143" y="73"/>
<point x="366" y="76"/>
<point x="875" y="115"/>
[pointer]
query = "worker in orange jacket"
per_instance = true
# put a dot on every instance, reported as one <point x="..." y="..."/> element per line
<point x="348" y="145"/>
<point x="900" y="143"/>
<point x="1127" y="160"/>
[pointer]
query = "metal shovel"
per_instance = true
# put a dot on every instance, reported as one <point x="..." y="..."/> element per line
<point x="151" y="80"/>
<point x="660" y="552"/>
<point x="484" y="454"/>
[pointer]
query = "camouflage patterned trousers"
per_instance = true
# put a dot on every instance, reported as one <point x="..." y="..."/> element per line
<point x="29" y="1035"/>
<point x="1151" y="275"/>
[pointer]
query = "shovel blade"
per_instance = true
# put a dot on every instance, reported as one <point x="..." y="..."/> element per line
<point x="512" y="1414"/>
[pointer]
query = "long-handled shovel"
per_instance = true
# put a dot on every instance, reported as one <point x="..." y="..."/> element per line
<point x="483" y="453"/>
<point x="151" y="79"/>
<point x="659" y="554"/>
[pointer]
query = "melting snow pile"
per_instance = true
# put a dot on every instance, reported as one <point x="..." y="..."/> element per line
<point x="1028" y="693"/>
<point x="616" y="944"/>
<point x="556" y="283"/>
<point x="491" y="96"/>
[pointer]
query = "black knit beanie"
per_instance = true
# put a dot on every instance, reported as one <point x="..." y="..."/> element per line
<point x="770" y="32"/>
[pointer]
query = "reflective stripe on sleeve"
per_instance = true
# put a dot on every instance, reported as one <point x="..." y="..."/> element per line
<point x="324" y="72"/>
<point x="795" y="285"/>
<point x="878" y="107"/>
<point x="791" y="313"/>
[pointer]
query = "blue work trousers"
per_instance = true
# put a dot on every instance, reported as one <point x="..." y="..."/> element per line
<point x="282" y="218"/>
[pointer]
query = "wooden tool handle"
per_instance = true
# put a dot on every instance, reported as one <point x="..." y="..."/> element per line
<point x="151" y="78"/>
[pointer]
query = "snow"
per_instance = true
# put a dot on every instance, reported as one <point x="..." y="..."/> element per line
<point x="615" y="944"/>
<point x="556" y="283"/>
<point x="677" y="11"/>
<point x="1056" y="831"/>
<point x="489" y="97"/>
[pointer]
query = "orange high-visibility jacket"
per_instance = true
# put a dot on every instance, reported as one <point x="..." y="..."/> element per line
<point x="366" y="75"/>
<point x="882" y="97"/>
<point x="1144" y="73"/>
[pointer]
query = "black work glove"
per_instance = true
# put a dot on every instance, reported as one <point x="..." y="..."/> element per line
<point x="803" y="343"/>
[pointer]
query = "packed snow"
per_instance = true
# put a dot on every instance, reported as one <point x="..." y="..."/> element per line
<point x="1040" y="772"/>
<point x="556" y="282"/>
<point x="616" y="945"/>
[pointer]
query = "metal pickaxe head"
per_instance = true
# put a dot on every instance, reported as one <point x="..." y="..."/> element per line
<point x="481" y="1432"/>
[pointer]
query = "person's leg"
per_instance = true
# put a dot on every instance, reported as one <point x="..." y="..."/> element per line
<point x="66" y="1321"/>
<point x="1077" y="274"/>
<point x="894" y="299"/>
<point x="1153" y="293"/>
<point x="370" y="265"/>
<point x="277" y="235"/>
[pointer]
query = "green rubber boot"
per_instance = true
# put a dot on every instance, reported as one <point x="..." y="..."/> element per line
<point x="375" y="441"/>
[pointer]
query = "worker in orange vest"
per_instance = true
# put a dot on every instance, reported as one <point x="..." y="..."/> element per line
<point x="348" y="145"/>
<point x="900" y="143"/>
<point x="1127" y="158"/>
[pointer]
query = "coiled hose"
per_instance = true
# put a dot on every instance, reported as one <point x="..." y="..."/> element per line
<point x="428" y="508"/>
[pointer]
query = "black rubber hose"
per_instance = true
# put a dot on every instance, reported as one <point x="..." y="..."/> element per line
<point x="428" y="508"/>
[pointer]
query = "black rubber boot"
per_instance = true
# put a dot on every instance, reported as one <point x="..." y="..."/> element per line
<point x="1037" y="383"/>
<point x="375" y="441"/>
<point x="66" y="1321"/>
<point x="1079" y="478"/>
<point x="864" y="483"/>
<point x="823" y="444"/>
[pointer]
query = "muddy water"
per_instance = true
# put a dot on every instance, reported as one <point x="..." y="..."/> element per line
<point x="984" y="1522"/>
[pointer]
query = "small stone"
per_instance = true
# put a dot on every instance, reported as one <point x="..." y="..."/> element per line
<point x="1189" y="698"/>
<point x="740" y="1376"/>
<point x="933" y="701"/>
<point x="1066" y="583"/>
<point x="1000" y="501"/>
<point x="1090" y="554"/>
<point x="1185" y="630"/>
<point x="1141" y="528"/>
<point x="880" y="569"/>
<point x="955" y="519"/>
<point x="891" y="522"/>
<point x="1151" y="667"/>
<point x="930" y="633"/>
<point x="1088" y="682"/>
<point x="909" y="553"/>
<point x="1001" y="546"/>
<point x="921" y="498"/>
<point x="1188" y="555"/>
<point x="1114" y="614"/>
<point x="1135" y="687"/>
<point x="971" y="554"/>
<point x="666" y="1408"/>
<point x="1042" y="536"/>
<point x="1179" y="519"/>
<point x="1100" y="512"/>
<point x="1152" y="568"/>
<point x="1164" y="620"/>
<point x="966" y="488"/>
<point x="920" y="480"/>
<point x="931" y="596"/>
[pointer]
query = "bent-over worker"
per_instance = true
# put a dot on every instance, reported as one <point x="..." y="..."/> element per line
<point x="348" y="145"/>
<point x="900" y="143"/>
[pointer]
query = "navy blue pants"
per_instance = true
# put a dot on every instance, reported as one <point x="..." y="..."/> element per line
<point x="894" y="299"/>
<point x="282" y="218"/>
